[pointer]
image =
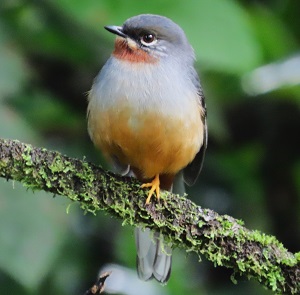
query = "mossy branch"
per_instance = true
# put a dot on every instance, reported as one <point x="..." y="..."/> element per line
<point x="221" y="239"/>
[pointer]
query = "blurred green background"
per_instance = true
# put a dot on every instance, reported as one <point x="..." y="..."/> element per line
<point x="249" y="63"/>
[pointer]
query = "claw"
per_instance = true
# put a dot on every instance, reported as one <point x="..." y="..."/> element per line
<point x="154" y="184"/>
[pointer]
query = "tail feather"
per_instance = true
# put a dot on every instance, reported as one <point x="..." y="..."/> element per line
<point x="154" y="259"/>
<point x="163" y="261"/>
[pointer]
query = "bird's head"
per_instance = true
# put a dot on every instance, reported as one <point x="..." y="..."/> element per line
<point x="148" y="38"/>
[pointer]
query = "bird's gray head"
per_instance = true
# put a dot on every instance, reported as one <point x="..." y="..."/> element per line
<point x="154" y="35"/>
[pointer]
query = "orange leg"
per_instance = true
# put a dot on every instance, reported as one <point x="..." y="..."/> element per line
<point x="154" y="187"/>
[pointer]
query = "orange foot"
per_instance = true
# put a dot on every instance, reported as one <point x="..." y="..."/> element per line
<point x="154" y="187"/>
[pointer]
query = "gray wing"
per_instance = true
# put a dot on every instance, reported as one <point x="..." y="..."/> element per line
<point x="192" y="170"/>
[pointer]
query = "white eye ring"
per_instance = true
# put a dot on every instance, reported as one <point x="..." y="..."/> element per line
<point x="148" y="39"/>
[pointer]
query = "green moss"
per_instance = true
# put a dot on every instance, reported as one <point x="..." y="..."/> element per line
<point x="4" y="163"/>
<point x="26" y="155"/>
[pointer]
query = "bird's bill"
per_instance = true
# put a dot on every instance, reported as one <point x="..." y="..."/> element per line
<point x="116" y="30"/>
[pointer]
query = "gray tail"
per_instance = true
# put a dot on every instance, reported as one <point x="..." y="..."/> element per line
<point x="154" y="258"/>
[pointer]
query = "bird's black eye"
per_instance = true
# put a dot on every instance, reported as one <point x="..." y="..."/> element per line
<point x="148" y="39"/>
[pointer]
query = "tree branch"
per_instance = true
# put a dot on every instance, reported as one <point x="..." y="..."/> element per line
<point x="221" y="239"/>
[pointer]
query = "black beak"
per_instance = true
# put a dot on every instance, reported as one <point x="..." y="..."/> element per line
<point x="116" y="30"/>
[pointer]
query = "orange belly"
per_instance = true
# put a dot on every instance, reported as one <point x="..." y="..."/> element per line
<point x="148" y="141"/>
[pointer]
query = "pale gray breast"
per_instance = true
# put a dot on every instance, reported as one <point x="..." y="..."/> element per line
<point x="161" y="87"/>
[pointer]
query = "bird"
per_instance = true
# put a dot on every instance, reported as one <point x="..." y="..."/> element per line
<point x="147" y="114"/>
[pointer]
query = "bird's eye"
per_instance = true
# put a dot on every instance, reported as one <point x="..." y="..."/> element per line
<point x="148" y="39"/>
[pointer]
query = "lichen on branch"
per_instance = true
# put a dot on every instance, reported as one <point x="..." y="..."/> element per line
<point x="220" y="238"/>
